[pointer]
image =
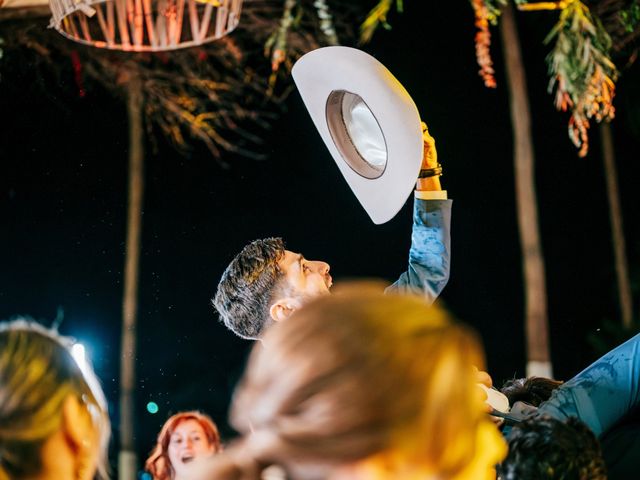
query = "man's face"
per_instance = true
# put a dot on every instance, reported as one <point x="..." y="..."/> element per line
<point x="307" y="278"/>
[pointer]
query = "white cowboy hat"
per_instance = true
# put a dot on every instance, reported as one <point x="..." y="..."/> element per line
<point x="368" y="122"/>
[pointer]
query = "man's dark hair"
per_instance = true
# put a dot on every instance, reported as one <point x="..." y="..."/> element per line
<point x="247" y="287"/>
<point x="532" y="390"/>
<point x="544" y="448"/>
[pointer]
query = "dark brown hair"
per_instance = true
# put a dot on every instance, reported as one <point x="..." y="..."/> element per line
<point x="544" y="448"/>
<point x="532" y="390"/>
<point x="247" y="288"/>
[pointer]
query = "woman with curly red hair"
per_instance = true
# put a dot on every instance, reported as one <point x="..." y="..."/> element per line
<point x="185" y="437"/>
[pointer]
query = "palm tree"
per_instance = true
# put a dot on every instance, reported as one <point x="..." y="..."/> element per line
<point x="127" y="458"/>
<point x="536" y="321"/>
<point x="617" y="233"/>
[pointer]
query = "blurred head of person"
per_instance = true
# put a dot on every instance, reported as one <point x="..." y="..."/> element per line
<point x="363" y="385"/>
<point x="53" y="413"/>
<point x="544" y="448"/>
<point x="184" y="438"/>
<point x="531" y="390"/>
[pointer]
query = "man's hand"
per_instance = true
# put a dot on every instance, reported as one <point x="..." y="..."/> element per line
<point x="483" y="378"/>
<point x="430" y="155"/>
<point x="429" y="160"/>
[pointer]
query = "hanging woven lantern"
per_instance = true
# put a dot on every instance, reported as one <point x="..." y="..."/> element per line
<point x="144" y="25"/>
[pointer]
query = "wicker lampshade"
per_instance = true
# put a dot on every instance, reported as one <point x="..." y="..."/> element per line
<point x="144" y="25"/>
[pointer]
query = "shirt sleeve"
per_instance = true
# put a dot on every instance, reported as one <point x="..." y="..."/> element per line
<point x="430" y="194"/>
<point x="603" y="393"/>
<point x="429" y="256"/>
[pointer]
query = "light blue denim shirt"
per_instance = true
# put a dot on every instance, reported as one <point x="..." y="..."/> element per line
<point x="429" y="255"/>
<point x="603" y="393"/>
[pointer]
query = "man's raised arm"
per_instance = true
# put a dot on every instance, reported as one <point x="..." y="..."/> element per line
<point x="429" y="256"/>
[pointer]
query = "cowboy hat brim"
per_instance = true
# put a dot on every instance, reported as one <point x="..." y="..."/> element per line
<point x="355" y="102"/>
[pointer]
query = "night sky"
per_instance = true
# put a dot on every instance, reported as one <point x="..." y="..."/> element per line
<point x="63" y="183"/>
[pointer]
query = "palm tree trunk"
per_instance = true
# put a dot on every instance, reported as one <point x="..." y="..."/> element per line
<point x="617" y="234"/>
<point x="536" y="322"/>
<point x="127" y="460"/>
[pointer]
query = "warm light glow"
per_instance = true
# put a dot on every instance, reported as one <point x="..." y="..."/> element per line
<point x="544" y="6"/>
<point x="144" y="25"/>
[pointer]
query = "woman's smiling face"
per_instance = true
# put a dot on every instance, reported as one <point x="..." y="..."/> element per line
<point x="188" y="442"/>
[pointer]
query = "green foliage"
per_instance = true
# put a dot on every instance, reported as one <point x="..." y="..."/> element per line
<point x="630" y="17"/>
<point x="582" y="45"/>
<point x="326" y="21"/>
<point x="378" y="16"/>
<point x="276" y="45"/>
<point x="581" y="71"/>
<point x="493" y="9"/>
<point x="223" y="94"/>
<point x="494" y="6"/>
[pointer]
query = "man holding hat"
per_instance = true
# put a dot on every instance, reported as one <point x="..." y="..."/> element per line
<point x="380" y="146"/>
<point x="266" y="283"/>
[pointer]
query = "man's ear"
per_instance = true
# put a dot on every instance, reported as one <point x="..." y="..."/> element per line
<point x="75" y="421"/>
<point x="283" y="308"/>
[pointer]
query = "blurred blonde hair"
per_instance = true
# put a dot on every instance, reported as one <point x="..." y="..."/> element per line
<point x="360" y="375"/>
<point x="37" y="373"/>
